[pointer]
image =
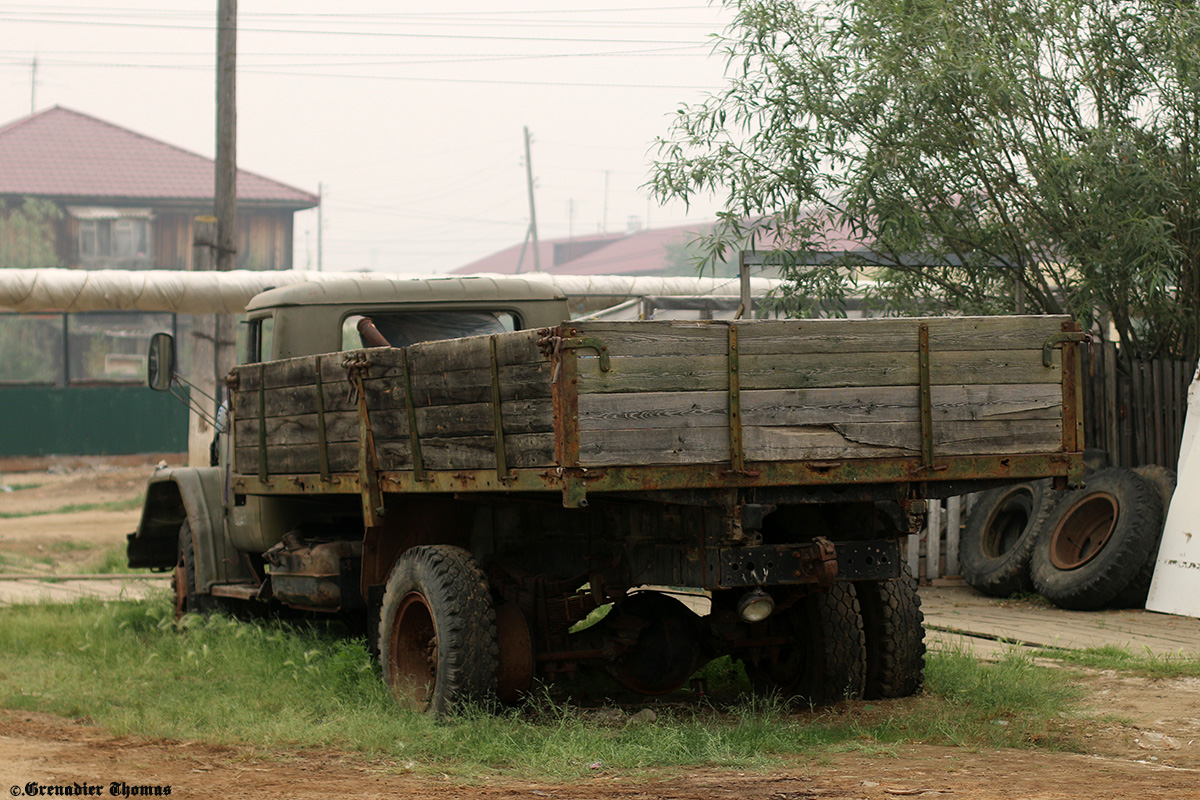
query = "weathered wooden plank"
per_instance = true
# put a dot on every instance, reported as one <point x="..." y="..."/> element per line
<point x="382" y="393"/>
<point x="962" y="438"/>
<point x="791" y="337"/>
<point x="461" y="453"/>
<point x="517" y="347"/>
<point x="340" y="426"/>
<point x="770" y="337"/>
<point x="658" y="337"/>
<point x="817" y="406"/>
<point x="304" y="459"/>
<point x="821" y="442"/>
<point x="707" y="445"/>
<point x="467" y="419"/>
<point x="526" y="450"/>
<point x="301" y="371"/>
<point x="710" y="373"/>
<point x="517" y="382"/>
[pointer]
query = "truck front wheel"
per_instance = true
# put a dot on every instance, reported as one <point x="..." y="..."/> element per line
<point x="437" y="631"/>
<point x="187" y="599"/>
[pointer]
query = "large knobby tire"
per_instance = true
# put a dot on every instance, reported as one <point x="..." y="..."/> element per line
<point x="997" y="543"/>
<point x="1163" y="480"/>
<point x="1097" y="542"/>
<point x="895" y="636"/>
<point x="437" y="631"/>
<point x="187" y="599"/>
<point x="825" y="659"/>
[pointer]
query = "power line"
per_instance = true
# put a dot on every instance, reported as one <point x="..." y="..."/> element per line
<point x="377" y="34"/>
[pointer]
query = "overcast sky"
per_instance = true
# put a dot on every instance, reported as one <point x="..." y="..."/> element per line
<point x="409" y="114"/>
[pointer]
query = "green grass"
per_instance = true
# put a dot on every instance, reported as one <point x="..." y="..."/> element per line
<point x="16" y="487"/>
<point x="1119" y="659"/>
<point x="131" y="668"/>
<point x="75" y="508"/>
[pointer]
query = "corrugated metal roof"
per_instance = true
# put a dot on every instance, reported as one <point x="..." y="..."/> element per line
<point x="63" y="154"/>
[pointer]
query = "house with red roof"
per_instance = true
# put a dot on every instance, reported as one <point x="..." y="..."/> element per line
<point x="105" y="197"/>
<point x="660" y="251"/>
<point x="82" y="193"/>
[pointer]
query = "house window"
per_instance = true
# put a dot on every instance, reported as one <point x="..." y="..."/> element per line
<point x="111" y="240"/>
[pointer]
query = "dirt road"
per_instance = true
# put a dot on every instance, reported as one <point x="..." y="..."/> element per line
<point x="54" y="752"/>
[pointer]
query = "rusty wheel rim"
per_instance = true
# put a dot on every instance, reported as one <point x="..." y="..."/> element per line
<point x="414" y="652"/>
<point x="1007" y="523"/>
<point x="1083" y="531"/>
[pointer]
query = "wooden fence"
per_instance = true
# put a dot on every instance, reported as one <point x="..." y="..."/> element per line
<point x="1134" y="415"/>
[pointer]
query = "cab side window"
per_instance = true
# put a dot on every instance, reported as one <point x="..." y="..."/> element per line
<point x="255" y="339"/>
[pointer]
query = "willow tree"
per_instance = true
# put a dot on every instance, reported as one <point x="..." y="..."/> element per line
<point x="988" y="154"/>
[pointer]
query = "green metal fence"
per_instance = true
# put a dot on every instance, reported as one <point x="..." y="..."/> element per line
<point x="90" y="420"/>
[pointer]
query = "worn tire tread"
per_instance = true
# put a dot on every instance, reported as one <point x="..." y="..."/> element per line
<point x="460" y="601"/>
<point x="895" y="637"/>
<point x="1008" y="573"/>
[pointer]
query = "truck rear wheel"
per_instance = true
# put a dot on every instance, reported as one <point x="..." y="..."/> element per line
<point x="895" y="636"/>
<point x="825" y="658"/>
<point x="437" y="631"/>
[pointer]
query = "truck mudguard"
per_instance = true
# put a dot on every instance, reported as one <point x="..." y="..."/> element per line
<point x="172" y="496"/>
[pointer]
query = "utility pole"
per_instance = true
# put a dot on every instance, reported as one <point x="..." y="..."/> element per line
<point x="33" y="87"/>
<point x="226" y="174"/>
<point x="320" y="226"/>
<point x="537" y="261"/>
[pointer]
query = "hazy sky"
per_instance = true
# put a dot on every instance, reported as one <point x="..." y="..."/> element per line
<point x="409" y="114"/>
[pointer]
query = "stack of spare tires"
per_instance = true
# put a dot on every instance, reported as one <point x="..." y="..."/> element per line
<point x="1084" y="549"/>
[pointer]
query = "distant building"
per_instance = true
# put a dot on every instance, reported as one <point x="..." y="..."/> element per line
<point x="105" y="197"/>
<point x="81" y="193"/>
<point x="662" y="251"/>
<point x="654" y="252"/>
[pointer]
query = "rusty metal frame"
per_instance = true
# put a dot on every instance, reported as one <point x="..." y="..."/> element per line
<point x="687" y="476"/>
<point x="368" y="459"/>
<point x="925" y="401"/>
<point x="262" y="423"/>
<point x="410" y="409"/>
<point x="1070" y="335"/>
<point x="322" y="441"/>
<point x="497" y="415"/>
<point x="1072" y="380"/>
<point x="737" y="449"/>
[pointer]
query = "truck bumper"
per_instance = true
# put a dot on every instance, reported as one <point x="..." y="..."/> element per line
<point x="820" y="562"/>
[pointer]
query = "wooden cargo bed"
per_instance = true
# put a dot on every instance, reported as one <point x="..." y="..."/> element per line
<point x="597" y="395"/>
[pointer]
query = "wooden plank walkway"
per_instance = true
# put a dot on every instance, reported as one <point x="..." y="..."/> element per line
<point x="963" y="616"/>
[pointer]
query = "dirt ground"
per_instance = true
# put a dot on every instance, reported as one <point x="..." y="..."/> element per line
<point x="1147" y="744"/>
<point x="64" y="542"/>
<point x="1150" y="755"/>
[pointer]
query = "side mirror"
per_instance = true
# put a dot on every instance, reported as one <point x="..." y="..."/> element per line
<point x="160" y="362"/>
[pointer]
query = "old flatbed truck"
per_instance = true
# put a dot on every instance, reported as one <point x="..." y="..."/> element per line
<point x="456" y="465"/>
